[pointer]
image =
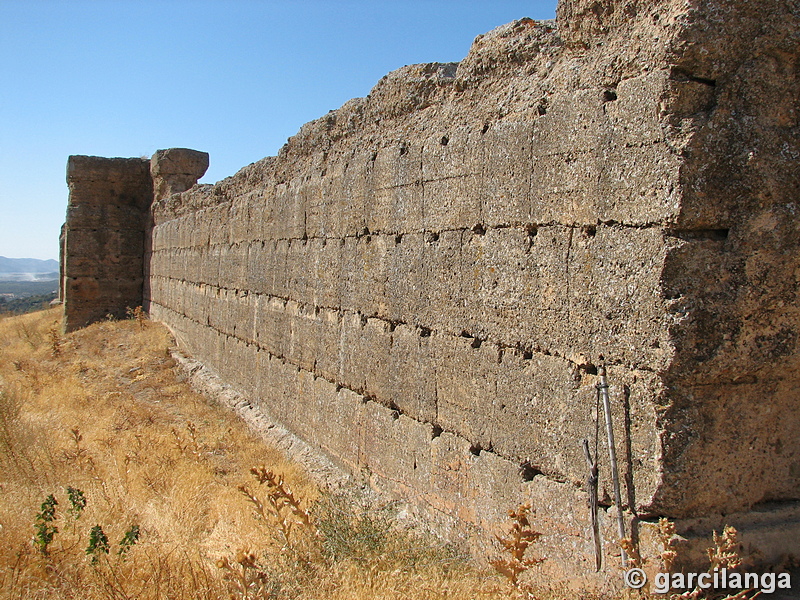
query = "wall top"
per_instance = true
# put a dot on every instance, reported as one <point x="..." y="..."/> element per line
<point x="181" y="161"/>
<point x="88" y="168"/>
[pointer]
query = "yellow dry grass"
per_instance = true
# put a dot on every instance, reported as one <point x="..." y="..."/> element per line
<point x="103" y="410"/>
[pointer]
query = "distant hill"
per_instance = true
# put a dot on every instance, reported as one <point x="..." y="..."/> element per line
<point x="27" y="265"/>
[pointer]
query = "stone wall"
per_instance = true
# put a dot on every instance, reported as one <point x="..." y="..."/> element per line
<point x="103" y="239"/>
<point x="102" y="243"/>
<point x="423" y="283"/>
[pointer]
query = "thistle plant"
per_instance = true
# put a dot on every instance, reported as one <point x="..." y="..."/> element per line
<point x="56" y="340"/>
<point x="282" y="507"/>
<point x="246" y="579"/>
<point x="77" y="502"/>
<point x="128" y="540"/>
<point x="515" y="544"/>
<point x="98" y="543"/>
<point x="724" y="554"/>
<point x="45" y="530"/>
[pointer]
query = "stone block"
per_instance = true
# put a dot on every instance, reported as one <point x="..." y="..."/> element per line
<point x="443" y="298"/>
<point x="176" y="170"/>
<point x="328" y="287"/>
<point x="398" y="204"/>
<point x="337" y="420"/>
<point x="396" y="448"/>
<point x="328" y="336"/>
<point x="407" y="272"/>
<point x="411" y="374"/>
<point x="271" y="325"/>
<point x="507" y="168"/>
<point x="466" y="387"/>
<point x="452" y="202"/>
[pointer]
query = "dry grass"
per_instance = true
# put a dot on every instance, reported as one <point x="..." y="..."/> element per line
<point x="101" y="411"/>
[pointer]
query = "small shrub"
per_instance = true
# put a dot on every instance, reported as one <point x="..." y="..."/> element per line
<point x="351" y="528"/>
<point x="724" y="554"/>
<point x="137" y="314"/>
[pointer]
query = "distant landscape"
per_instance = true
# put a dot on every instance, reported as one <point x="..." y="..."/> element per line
<point x="27" y="284"/>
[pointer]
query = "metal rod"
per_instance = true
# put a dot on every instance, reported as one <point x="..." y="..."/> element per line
<point x="602" y="389"/>
<point x="591" y="483"/>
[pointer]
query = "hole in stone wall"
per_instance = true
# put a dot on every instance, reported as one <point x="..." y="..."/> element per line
<point x="398" y="238"/>
<point x="527" y="471"/>
<point x="716" y="235"/>
<point x="527" y="355"/>
<point x="681" y="74"/>
<point x="433" y="236"/>
<point x="436" y="431"/>
<point x="479" y="229"/>
<point x="609" y="96"/>
<point x="445" y="140"/>
<point x="485" y="128"/>
<point x="589" y="230"/>
<point x="403" y="150"/>
<point x="476" y="342"/>
<point x="589" y="369"/>
<point x="475" y="449"/>
<point x="531" y="230"/>
<point x="424" y="332"/>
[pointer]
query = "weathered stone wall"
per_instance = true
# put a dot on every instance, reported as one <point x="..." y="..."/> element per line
<point x="102" y="242"/>
<point x="423" y="283"/>
<point x="103" y="239"/>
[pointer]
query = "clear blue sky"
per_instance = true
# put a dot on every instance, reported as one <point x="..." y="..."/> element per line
<point x="232" y="78"/>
